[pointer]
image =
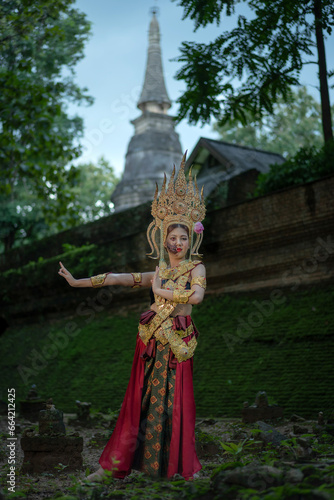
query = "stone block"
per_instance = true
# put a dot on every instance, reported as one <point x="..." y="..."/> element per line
<point x="44" y="453"/>
<point x="253" y="414"/>
<point x="29" y="409"/>
<point x="269" y="434"/>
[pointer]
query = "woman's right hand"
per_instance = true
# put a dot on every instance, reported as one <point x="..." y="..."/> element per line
<point x="67" y="275"/>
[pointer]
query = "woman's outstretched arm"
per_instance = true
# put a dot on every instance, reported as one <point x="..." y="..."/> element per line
<point x="107" y="279"/>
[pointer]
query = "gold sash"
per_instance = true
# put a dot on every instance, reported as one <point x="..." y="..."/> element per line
<point x="161" y="326"/>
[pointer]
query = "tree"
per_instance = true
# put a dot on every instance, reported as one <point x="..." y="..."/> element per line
<point x="22" y="219"/>
<point x="292" y="126"/>
<point x="265" y="53"/>
<point x="40" y="43"/>
<point x="93" y="190"/>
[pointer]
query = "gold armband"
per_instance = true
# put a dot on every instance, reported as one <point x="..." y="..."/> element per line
<point x="137" y="279"/>
<point x="198" y="280"/>
<point x="182" y="296"/>
<point x="98" y="280"/>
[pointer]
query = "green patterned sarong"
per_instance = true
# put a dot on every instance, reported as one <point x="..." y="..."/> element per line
<point x="156" y="414"/>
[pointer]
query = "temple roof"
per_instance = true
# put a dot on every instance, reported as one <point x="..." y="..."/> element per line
<point x="154" y="89"/>
<point x="215" y="161"/>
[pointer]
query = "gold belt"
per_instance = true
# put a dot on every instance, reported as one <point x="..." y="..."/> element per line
<point x="159" y="334"/>
<point x="165" y="334"/>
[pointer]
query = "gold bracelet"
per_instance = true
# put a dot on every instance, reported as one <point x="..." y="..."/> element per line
<point x="137" y="279"/>
<point x="198" y="280"/>
<point x="98" y="281"/>
<point x="182" y="296"/>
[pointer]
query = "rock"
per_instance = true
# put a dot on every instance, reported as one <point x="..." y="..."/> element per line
<point x="303" y="452"/>
<point x="269" y="434"/>
<point x="294" y="476"/>
<point x="261" y="399"/>
<point x="209" y="421"/>
<point x="28" y="432"/>
<point x="51" y="421"/>
<point x="299" y="429"/>
<point x="259" y="477"/>
<point x="44" y="453"/>
<point x="296" y="418"/>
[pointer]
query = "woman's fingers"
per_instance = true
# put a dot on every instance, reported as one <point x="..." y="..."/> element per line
<point x="63" y="268"/>
<point x="63" y="271"/>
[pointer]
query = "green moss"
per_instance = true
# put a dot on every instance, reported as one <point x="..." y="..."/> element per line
<point x="289" y="355"/>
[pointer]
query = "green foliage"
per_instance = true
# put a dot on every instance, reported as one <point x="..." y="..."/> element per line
<point x="238" y="449"/>
<point x="80" y="259"/>
<point x="265" y="53"/>
<point x="307" y="165"/>
<point x="22" y="219"/>
<point x="204" y="437"/>
<point x="293" y="125"/>
<point x="93" y="190"/>
<point x="41" y="42"/>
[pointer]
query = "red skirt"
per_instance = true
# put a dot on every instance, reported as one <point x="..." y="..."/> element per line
<point x="121" y="452"/>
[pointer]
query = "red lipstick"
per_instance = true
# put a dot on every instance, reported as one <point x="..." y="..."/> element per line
<point x="179" y="249"/>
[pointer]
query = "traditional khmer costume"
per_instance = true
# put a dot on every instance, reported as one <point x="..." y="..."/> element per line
<point x="155" y="430"/>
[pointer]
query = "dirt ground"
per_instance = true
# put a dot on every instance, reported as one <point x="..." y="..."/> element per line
<point x="48" y="484"/>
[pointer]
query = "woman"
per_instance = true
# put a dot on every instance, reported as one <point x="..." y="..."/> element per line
<point x="155" y="431"/>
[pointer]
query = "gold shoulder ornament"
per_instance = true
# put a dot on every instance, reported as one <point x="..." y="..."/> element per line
<point x="198" y="280"/>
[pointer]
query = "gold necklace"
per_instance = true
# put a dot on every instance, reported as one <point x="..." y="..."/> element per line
<point x="182" y="261"/>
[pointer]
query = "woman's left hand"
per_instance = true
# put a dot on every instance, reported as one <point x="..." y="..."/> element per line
<point x="156" y="282"/>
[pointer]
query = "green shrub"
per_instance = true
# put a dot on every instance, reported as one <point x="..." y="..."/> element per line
<point x="309" y="164"/>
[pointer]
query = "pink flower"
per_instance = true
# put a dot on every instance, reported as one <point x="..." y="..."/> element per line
<point x="198" y="228"/>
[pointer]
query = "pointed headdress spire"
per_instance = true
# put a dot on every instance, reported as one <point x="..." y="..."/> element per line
<point x="179" y="204"/>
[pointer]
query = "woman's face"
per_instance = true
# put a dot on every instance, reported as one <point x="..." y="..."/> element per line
<point x="177" y="242"/>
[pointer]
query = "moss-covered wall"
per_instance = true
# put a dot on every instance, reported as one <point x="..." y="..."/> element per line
<point x="278" y="342"/>
<point x="78" y="343"/>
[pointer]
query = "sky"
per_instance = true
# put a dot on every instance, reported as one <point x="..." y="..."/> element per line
<point x="113" y="71"/>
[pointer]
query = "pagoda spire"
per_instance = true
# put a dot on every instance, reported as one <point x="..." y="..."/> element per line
<point x="154" y="95"/>
<point x="155" y="146"/>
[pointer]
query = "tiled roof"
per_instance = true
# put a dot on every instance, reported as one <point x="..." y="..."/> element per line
<point x="229" y="160"/>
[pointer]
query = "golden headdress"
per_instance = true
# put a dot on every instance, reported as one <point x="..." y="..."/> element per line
<point x="180" y="203"/>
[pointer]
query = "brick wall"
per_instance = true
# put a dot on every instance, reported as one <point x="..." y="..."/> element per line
<point x="281" y="240"/>
<point x="285" y="239"/>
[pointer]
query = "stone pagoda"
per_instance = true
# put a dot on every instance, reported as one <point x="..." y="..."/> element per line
<point x="155" y="146"/>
